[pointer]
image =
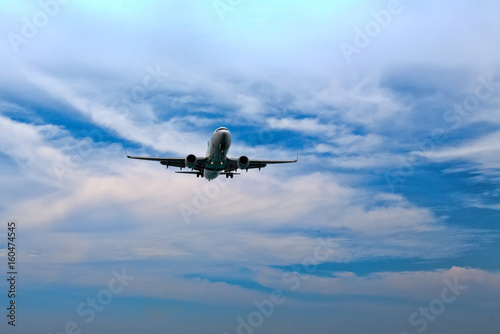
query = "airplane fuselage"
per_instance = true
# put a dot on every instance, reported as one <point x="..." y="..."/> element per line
<point x="218" y="146"/>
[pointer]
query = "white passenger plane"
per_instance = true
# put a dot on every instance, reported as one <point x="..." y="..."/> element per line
<point x="216" y="162"/>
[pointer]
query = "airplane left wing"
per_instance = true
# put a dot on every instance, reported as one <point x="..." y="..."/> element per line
<point x="175" y="162"/>
<point x="232" y="164"/>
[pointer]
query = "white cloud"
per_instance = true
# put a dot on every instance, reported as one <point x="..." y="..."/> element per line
<point x="420" y="285"/>
<point x="28" y="145"/>
<point x="306" y="125"/>
<point x="109" y="193"/>
<point x="483" y="152"/>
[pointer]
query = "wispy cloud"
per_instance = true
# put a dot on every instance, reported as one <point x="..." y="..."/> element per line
<point x="483" y="153"/>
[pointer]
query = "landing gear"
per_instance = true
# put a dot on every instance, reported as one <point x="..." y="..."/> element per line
<point x="199" y="174"/>
<point x="229" y="175"/>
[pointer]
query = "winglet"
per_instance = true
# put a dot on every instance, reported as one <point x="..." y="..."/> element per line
<point x="297" y="156"/>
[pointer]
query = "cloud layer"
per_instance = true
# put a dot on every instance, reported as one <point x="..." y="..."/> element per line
<point x="398" y="168"/>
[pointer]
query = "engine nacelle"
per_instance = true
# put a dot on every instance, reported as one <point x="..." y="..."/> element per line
<point x="243" y="162"/>
<point x="191" y="161"/>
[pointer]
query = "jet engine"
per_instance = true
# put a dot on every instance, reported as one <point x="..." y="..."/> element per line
<point x="243" y="162"/>
<point x="191" y="161"/>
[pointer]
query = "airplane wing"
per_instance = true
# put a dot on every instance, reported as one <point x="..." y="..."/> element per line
<point x="175" y="162"/>
<point x="232" y="164"/>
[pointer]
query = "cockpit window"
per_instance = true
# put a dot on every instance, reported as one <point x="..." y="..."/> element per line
<point x="219" y="129"/>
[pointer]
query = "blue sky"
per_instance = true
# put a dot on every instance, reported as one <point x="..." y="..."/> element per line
<point x="389" y="223"/>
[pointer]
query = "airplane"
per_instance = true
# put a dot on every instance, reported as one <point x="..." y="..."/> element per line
<point x="215" y="162"/>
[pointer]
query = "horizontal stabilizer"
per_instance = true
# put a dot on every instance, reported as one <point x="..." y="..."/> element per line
<point x="188" y="172"/>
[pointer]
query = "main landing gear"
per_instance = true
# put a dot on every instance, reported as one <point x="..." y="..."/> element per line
<point x="199" y="174"/>
<point x="229" y="175"/>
